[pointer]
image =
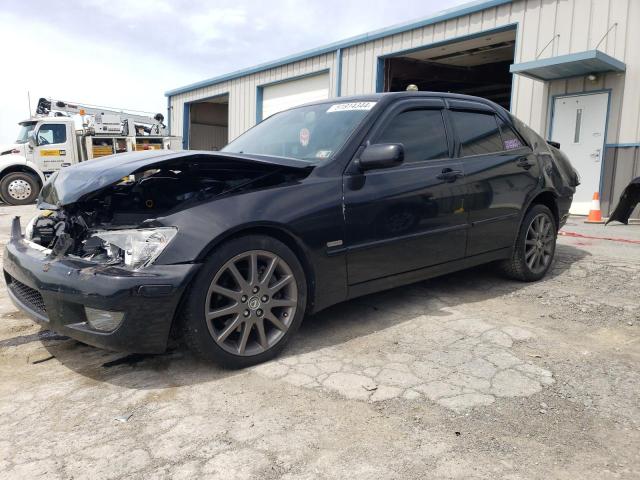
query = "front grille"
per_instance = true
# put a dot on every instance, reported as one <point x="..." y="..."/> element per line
<point x="27" y="295"/>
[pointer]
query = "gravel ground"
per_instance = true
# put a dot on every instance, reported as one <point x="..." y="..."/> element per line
<point x="467" y="375"/>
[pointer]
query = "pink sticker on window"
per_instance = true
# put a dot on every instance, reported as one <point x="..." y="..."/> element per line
<point x="512" y="144"/>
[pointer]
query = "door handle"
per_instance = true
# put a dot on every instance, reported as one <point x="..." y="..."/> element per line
<point x="524" y="163"/>
<point x="450" y="175"/>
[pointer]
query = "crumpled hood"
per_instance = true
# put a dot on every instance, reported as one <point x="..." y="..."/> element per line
<point x="72" y="183"/>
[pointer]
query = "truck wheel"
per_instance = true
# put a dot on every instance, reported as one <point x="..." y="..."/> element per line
<point x="19" y="188"/>
<point x="246" y="302"/>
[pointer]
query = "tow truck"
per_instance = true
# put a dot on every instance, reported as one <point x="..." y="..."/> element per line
<point x="50" y="140"/>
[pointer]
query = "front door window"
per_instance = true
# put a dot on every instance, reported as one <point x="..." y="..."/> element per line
<point x="52" y="133"/>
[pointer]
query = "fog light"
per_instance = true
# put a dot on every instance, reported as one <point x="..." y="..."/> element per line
<point x="103" y="320"/>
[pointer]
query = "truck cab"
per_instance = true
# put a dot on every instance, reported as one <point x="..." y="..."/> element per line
<point x="51" y="143"/>
<point x="51" y="140"/>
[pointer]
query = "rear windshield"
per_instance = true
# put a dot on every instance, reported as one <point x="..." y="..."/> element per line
<point x="313" y="133"/>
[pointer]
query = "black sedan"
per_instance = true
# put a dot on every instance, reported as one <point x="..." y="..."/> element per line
<point x="311" y="207"/>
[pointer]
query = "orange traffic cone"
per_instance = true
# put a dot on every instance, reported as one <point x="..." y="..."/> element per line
<point x="595" y="216"/>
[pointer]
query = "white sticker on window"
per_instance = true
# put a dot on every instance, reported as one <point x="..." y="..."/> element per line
<point x="347" y="107"/>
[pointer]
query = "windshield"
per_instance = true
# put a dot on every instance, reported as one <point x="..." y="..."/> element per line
<point x="312" y="133"/>
<point x="25" y="128"/>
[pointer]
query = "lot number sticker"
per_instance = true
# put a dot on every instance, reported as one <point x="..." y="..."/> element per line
<point x="348" y="107"/>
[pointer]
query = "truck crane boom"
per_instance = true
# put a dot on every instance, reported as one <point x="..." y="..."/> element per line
<point x="106" y="120"/>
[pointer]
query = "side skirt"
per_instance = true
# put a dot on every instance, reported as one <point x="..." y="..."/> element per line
<point x="413" y="276"/>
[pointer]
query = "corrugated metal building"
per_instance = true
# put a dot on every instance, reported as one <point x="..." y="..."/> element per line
<point x="568" y="68"/>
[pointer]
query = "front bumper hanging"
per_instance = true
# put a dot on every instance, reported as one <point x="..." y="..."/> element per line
<point x="58" y="293"/>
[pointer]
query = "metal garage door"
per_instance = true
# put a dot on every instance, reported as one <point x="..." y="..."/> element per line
<point x="281" y="96"/>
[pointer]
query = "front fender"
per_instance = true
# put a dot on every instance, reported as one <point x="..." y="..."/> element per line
<point x="12" y="159"/>
<point x="307" y="212"/>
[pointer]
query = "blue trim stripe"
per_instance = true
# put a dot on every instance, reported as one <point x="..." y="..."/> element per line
<point x="186" y="121"/>
<point x="259" y="96"/>
<point x="380" y="75"/>
<point x="466" y="9"/>
<point x="622" y="145"/>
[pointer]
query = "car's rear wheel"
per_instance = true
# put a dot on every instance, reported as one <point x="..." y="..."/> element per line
<point x="535" y="246"/>
<point x="246" y="302"/>
<point x="19" y="188"/>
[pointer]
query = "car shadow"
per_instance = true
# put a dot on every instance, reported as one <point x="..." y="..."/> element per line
<point x="333" y="326"/>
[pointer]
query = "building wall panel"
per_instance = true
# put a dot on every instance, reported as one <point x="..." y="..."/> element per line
<point x="242" y="92"/>
<point x="580" y="25"/>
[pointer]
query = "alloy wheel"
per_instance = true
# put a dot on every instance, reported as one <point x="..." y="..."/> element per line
<point x="539" y="243"/>
<point x="251" y="302"/>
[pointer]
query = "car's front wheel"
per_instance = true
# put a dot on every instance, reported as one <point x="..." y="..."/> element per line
<point x="246" y="302"/>
<point x="535" y="246"/>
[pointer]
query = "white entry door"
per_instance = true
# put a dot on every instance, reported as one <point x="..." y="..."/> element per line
<point x="579" y="124"/>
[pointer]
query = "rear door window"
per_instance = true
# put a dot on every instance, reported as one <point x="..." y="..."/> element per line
<point x="510" y="140"/>
<point x="421" y="132"/>
<point x="477" y="132"/>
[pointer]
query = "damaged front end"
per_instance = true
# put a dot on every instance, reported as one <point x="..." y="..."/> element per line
<point x="88" y="266"/>
<point x="118" y="224"/>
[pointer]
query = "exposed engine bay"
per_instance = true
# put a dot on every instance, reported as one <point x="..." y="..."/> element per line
<point x="109" y="225"/>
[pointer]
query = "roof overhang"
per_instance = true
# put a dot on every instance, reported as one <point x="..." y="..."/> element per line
<point x="571" y="65"/>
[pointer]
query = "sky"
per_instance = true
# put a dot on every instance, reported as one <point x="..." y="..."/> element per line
<point x="127" y="54"/>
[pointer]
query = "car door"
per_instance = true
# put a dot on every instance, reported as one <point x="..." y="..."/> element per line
<point x="501" y="173"/>
<point x="409" y="216"/>
<point x="54" y="146"/>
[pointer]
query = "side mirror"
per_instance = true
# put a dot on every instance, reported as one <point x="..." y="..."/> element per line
<point x="31" y="139"/>
<point x="554" y="144"/>
<point x="383" y="155"/>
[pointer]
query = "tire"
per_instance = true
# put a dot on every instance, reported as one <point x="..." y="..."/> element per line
<point x="19" y="188"/>
<point x="519" y="266"/>
<point x="239" y="303"/>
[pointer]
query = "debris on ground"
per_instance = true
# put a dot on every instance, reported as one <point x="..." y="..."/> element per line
<point x="42" y="360"/>
<point x="124" y="418"/>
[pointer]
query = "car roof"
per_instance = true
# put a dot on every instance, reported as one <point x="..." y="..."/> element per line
<point x="388" y="97"/>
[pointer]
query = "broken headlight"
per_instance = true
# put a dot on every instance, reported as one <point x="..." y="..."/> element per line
<point x="41" y="228"/>
<point x="138" y="248"/>
<point x="28" y="231"/>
